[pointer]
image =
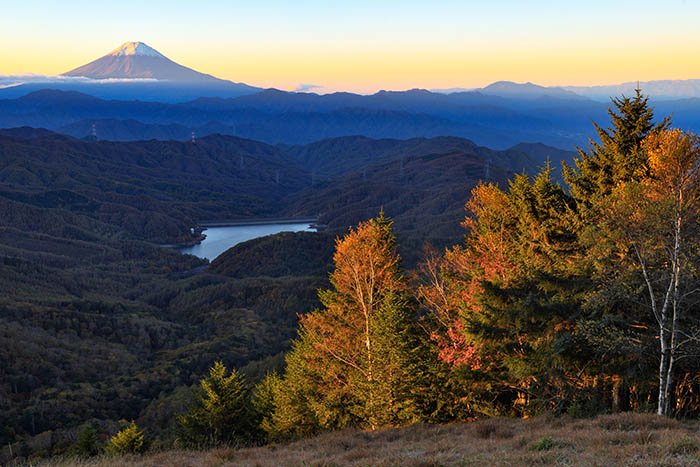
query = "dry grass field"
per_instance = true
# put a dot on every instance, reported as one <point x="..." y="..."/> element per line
<point x="623" y="439"/>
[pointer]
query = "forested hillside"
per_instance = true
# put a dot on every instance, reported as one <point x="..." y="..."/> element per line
<point x="100" y="323"/>
<point x="566" y="292"/>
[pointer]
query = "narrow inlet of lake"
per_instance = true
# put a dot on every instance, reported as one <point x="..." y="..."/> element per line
<point x="220" y="239"/>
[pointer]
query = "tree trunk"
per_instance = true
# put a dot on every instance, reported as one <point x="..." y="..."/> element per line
<point x="667" y="337"/>
<point x="617" y="394"/>
<point x="664" y="373"/>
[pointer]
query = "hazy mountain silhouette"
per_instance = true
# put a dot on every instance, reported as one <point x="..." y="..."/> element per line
<point x="527" y="91"/>
<point x="659" y="89"/>
<point x="275" y="116"/>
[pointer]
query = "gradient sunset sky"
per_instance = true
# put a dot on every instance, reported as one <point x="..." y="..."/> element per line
<point x="364" y="46"/>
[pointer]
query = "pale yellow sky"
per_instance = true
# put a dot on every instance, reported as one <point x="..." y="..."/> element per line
<point x="366" y="46"/>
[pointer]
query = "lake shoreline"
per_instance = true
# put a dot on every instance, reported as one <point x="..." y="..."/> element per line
<point x="252" y="222"/>
<point x="204" y="225"/>
<point x="217" y="237"/>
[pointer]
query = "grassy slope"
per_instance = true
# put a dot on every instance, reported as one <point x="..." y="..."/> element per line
<point x="624" y="439"/>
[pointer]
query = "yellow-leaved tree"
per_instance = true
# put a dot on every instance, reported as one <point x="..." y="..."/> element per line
<point x="652" y="224"/>
<point x="130" y="440"/>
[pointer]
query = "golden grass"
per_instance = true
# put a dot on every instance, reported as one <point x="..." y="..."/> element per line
<point x="624" y="439"/>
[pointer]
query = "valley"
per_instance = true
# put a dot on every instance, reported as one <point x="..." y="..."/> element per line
<point x="113" y="326"/>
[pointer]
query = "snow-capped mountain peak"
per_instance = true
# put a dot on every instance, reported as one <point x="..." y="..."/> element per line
<point x="136" y="60"/>
<point x="135" y="48"/>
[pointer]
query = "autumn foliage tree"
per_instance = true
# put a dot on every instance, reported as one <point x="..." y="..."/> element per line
<point x="130" y="440"/>
<point x="355" y="362"/>
<point x="651" y="225"/>
<point x="497" y="302"/>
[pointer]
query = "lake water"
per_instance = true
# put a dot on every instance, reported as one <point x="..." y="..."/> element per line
<point x="220" y="239"/>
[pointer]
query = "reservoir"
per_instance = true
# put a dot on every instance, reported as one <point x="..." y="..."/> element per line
<point x="220" y="239"/>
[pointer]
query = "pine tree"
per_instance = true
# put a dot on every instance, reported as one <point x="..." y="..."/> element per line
<point x="221" y="413"/>
<point x="263" y="399"/>
<point x="296" y="407"/>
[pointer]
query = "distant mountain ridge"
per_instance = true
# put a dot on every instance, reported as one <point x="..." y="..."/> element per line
<point x="552" y="117"/>
<point x="527" y="91"/>
<point x="659" y="89"/>
<point x="669" y="89"/>
<point x="275" y="116"/>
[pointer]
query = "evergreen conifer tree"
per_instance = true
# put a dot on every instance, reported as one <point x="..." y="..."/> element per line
<point x="221" y="413"/>
<point x="618" y="156"/>
<point x="87" y="443"/>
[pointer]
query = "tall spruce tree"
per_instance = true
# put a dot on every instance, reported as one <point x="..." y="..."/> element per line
<point x="618" y="156"/>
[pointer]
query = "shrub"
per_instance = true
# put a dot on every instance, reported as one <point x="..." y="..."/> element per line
<point x="545" y="444"/>
<point x="87" y="443"/>
<point x="130" y="440"/>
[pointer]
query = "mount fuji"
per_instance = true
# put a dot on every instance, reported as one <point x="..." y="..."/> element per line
<point x="136" y="60"/>
<point x="133" y="71"/>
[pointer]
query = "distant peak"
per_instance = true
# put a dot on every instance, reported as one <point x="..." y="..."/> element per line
<point x="135" y="48"/>
<point x="512" y="84"/>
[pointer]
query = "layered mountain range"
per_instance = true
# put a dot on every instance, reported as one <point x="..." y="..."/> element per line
<point x="278" y="117"/>
<point x="136" y="93"/>
<point x="160" y="190"/>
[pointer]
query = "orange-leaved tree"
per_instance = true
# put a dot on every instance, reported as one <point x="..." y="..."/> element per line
<point x="498" y="303"/>
<point x="355" y="360"/>
<point x="452" y="283"/>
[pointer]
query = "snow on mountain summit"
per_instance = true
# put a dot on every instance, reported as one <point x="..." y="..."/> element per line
<point x="136" y="60"/>
<point x="135" y="48"/>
